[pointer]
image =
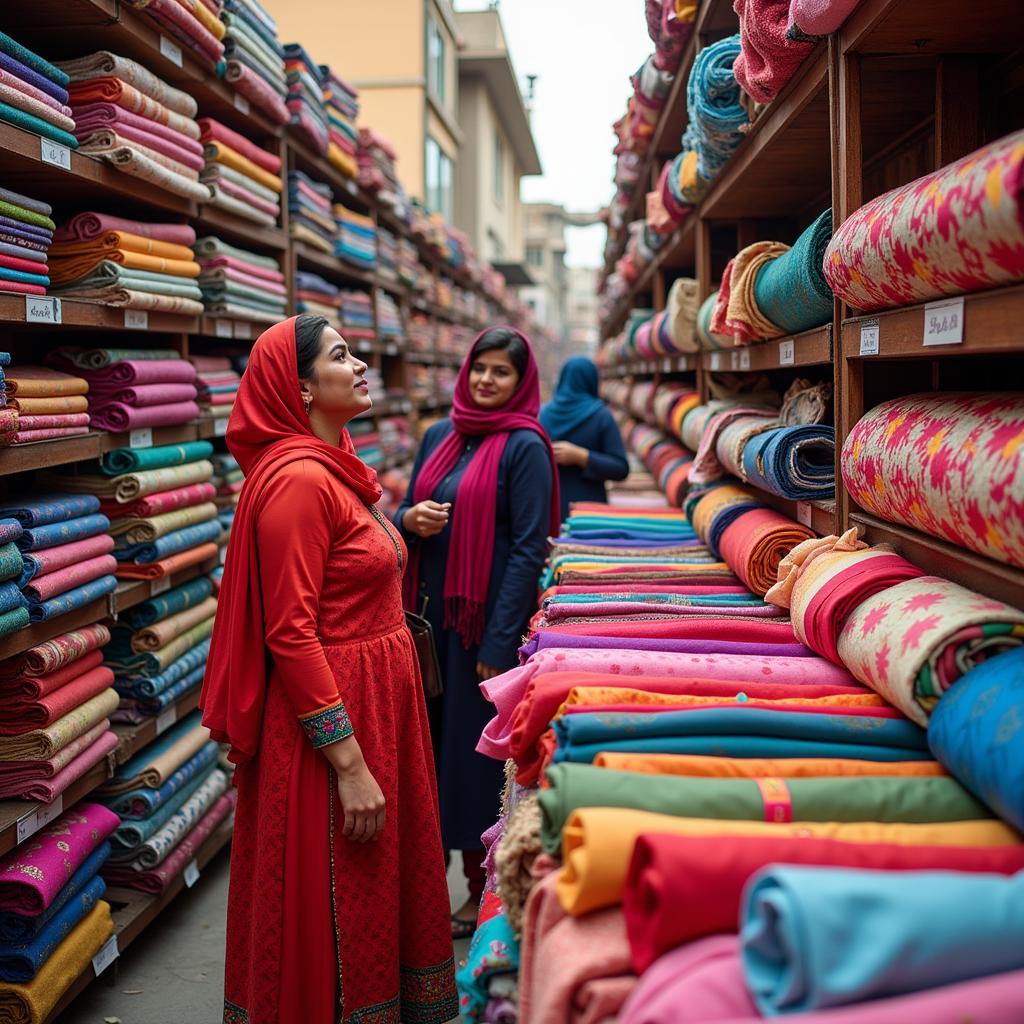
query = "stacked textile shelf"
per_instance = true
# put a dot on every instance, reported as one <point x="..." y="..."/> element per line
<point x="240" y="284"/>
<point x="46" y="403"/>
<point x="195" y="23"/>
<point x="127" y="116"/>
<point x="310" y="215"/>
<point x="356" y="239"/>
<point x="377" y="173"/>
<point x="317" y="296"/>
<point x="389" y="321"/>
<point x="341" y="103"/>
<point x="254" y="58"/>
<point x="97" y="257"/>
<point x="217" y="383"/>
<point x="26" y="234"/>
<point x="34" y="94"/>
<point x="227" y="479"/>
<point x="243" y="178"/>
<point x="305" y="102"/>
<point x="8" y="413"/>
<point x="357" y="318"/>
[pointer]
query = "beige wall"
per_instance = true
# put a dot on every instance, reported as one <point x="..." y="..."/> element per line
<point x="398" y="115"/>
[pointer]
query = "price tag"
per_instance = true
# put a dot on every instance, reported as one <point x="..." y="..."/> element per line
<point x="42" y="310"/>
<point x="166" y="720"/>
<point x="392" y="350"/>
<point x="869" y="338"/>
<point x="944" y="322"/>
<point x="159" y="586"/>
<point x="716" y="360"/>
<point x="136" y="319"/>
<point x="172" y="51"/>
<point x="666" y="367"/>
<point x="365" y="346"/>
<point x="744" y="360"/>
<point x="684" y="363"/>
<point x="243" y="330"/>
<point x="241" y="103"/>
<point x="28" y="825"/>
<point x="787" y="352"/>
<point x="803" y="513"/>
<point x="141" y="437"/>
<point x="44" y="815"/>
<point x="106" y="956"/>
<point x="224" y="554"/>
<point x="222" y="328"/>
<point x="220" y="427"/>
<point x="191" y="873"/>
<point x="734" y="360"/>
<point x="55" y="153"/>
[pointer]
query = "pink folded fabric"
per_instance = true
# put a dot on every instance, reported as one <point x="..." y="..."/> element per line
<point x="13" y="82"/>
<point x="105" y="140"/>
<point x="17" y="776"/>
<point x="52" y="559"/>
<point x="214" y="131"/>
<point x="22" y="101"/>
<point x="187" y="28"/>
<point x="231" y="262"/>
<point x="129" y="372"/>
<point x="819" y="17"/>
<point x="53" y="654"/>
<point x="22" y="289"/>
<point x="768" y="57"/>
<point x="256" y="91"/>
<point x="160" y="502"/>
<point x="250" y="278"/>
<point x="119" y="417"/>
<point x="144" y="395"/>
<point x="42" y="588"/>
<point x="244" y="195"/>
<point x="84" y="226"/>
<point x="49" y="789"/>
<point x="50" y="434"/>
<point x="70" y="419"/>
<point x="94" y="116"/>
<point x="603" y="609"/>
<point x="45" y="711"/>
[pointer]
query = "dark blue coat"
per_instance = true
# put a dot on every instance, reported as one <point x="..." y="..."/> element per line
<point x="601" y="437"/>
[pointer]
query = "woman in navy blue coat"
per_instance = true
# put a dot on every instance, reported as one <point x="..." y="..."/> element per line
<point x="511" y="517"/>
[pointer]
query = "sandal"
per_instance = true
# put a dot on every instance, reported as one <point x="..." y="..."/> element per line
<point x="462" y="928"/>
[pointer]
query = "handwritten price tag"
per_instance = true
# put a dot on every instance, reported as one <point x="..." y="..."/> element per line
<point x="241" y="103"/>
<point x="222" y="329"/>
<point x="220" y="427"/>
<point x="159" y="586"/>
<point x="166" y="720"/>
<point x="787" y="352"/>
<point x="40" y="310"/>
<point x="191" y="873"/>
<point x="136" y="320"/>
<point x="803" y="513"/>
<point x="55" y="153"/>
<point x="944" y="322"/>
<point x="141" y="437"/>
<point x="106" y="956"/>
<point x="28" y="825"/>
<point x="869" y="334"/>
<point x="172" y="51"/>
<point x="716" y="360"/>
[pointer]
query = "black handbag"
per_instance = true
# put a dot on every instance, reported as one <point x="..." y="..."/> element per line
<point x="426" y="652"/>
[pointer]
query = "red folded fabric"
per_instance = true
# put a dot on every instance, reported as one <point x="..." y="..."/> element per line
<point x="52" y="654"/>
<point x="160" y="502"/>
<point x="31" y="688"/>
<point x="167" y="566"/>
<point x="187" y="28"/>
<point x="17" y="263"/>
<point x="257" y="91"/>
<point x="214" y="131"/>
<point x="22" y="289"/>
<point x="42" y="588"/>
<point x="680" y="888"/>
<point x="85" y="226"/>
<point x="43" y="712"/>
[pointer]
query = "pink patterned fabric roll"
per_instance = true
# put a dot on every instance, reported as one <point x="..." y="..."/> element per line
<point x="950" y="465"/>
<point x="46" y="790"/>
<point x="56" y="653"/>
<point x="49" y="560"/>
<point x="16" y="776"/>
<point x="30" y="436"/>
<point x="32" y="874"/>
<point x="959" y="229"/>
<point x="144" y="395"/>
<point x="160" y="502"/>
<point x="42" y="588"/>
<point x="119" y="417"/>
<point x="88" y="225"/>
<point x="57" y="420"/>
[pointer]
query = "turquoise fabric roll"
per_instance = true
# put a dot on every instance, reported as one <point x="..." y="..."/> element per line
<point x="31" y="123"/>
<point x="134" y="460"/>
<point x="716" y="114"/>
<point x="177" y="600"/>
<point x="977" y="732"/>
<point x="812" y="937"/>
<point x="10" y="562"/>
<point x="22" y="278"/>
<point x="793" y="462"/>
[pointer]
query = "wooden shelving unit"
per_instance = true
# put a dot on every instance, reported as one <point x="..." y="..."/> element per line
<point x="904" y="87"/>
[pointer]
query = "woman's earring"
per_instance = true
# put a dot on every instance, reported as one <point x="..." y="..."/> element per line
<point x="307" y="403"/>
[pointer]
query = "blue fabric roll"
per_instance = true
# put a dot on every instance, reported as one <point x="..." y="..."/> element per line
<point x="70" y="600"/>
<point x="977" y="732"/>
<point x="50" y="508"/>
<point x="739" y="732"/>
<point x="19" y="275"/>
<point x="38" y="537"/>
<point x="171" y="543"/>
<point x="153" y="706"/>
<point x="11" y="597"/>
<point x="148" y="688"/>
<point x="793" y="462"/>
<point x="22" y="963"/>
<point x="188" y="595"/>
<point x="493" y="951"/>
<point x="713" y="102"/>
<point x="815" y="937"/>
<point x="142" y="802"/>
<point x="131" y="834"/>
<point x="17" y="930"/>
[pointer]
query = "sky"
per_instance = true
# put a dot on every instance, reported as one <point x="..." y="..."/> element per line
<point x="582" y="52"/>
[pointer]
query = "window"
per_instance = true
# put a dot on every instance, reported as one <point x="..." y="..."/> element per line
<point x="534" y="256"/>
<point x="438" y="180"/>
<point x="499" y="168"/>
<point x="436" y="59"/>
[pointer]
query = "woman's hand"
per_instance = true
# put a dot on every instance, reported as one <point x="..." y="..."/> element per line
<point x="487" y="671"/>
<point x="569" y="454"/>
<point x="361" y="798"/>
<point x="427" y="519"/>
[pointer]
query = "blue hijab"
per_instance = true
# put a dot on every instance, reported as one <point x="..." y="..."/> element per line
<point x="575" y="398"/>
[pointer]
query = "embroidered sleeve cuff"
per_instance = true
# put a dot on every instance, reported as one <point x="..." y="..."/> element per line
<point x="328" y="725"/>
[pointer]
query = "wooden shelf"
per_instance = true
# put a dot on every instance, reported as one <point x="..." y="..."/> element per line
<point x="227" y="328"/>
<point x="664" y="365"/>
<point x="212" y="220"/>
<point x="95" y="317"/>
<point x="331" y="267"/>
<point x="810" y="348"/>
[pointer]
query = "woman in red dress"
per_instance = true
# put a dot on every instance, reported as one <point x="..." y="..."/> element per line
<point x="338" y="905"/>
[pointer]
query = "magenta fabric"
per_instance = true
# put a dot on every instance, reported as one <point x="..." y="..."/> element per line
<point x="92" y="117"/>
<point x="256" y="90"/>
<point x="143" y="395"/>
<point x="472" y="529"/>
<point x="120" y="417"/>
<point x="17" y="776"/>
<point x="52" y="559"/>
<point x="49" y="434"/>
<point x="70" y="419"/>
<point x="56" y="852"/>
<point x="12" y="81"/>
<point x="130" y="372"/>
<point x="146" y="138"/>
<point x="46" y="790"/>
<point x="231" y="262"/>
<point x="161" y="501"/>
<point x="644" y="588"/>
<point x="84" y="226"/>
<point x="186" y="28"/>
<point x="217" y="132"/>
<point x="42" y="588"/>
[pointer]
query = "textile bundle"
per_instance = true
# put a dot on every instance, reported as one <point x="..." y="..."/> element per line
<point x="217" y="382"/>
<point x="769" y="57"/>
<point x="242" y="177"/>
<point x="375" y="158"/>
<point x="310" y="212"/>
<point x="356" y="238"/>
<point x="254" y="58"/>
<point x="46" y="404"/>
<point x="8" y="431"/>
<point x="306" y="108"/>
<point x="357" y="316"/>
<point x="318" y="296"/>
<point x="192" y="22"/>
<point x="341" y="103"/>
<point x="26" y="233"/>
<point x="34" y="94"/>
<point x="240" y="284"/>
<point x="949" y="465"/>
<point x="793" y="462"/>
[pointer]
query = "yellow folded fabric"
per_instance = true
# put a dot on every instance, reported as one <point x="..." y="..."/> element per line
<point x="742" y="307"/>
<point x="219" y="153"/>
<point x="206" y="18"/>
<point x="32" y="1003"/>
<point x="42" y="382"/>
<point x="55" y="406"/>
<point x="706" y="766"/>
<point x="342" y="160"/>
<point x="597" y="844"/>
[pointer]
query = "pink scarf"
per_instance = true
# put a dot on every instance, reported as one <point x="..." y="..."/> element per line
<point x="471" y="552"/>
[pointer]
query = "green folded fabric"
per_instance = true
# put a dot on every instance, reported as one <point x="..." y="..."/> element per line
<point x="28" y="216"/>
<point x="132" y="460"/>
<point x="11" y="562"/>
<point x="31" y="123"/>
<point x="243" y="294"/>
<point x="908" y="799"/>
<point x="12" y="621"/>
<point x="208" y="247"/>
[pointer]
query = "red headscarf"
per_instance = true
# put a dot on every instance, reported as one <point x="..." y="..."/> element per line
<point x="471" y="551"/>
<point x="268" y="429"/>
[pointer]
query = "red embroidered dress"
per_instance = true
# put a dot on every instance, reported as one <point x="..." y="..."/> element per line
<point x="320" y="928"/>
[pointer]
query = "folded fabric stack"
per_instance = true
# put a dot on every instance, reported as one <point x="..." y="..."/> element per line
<point x="227" y="479"/>
<point x="254" y="58"/>
<point x="217" y="383"/>
<point x="341" y="103"/>
<point x="357" y="320"/>
<point x="53" y="919"/>
<point x="240" y="284"/>
<point x="389" y="321"/>
<point x="366" y="440"/>
<point x="769" y="56"/>
<point x="242" y="178"/>
<point x="46" y="403"/>
<point x="97" y="257"/>
<point x="356" y="238"/>
<point x="8" y="413"/>
<point x="195" y="23"/>
<point x="310" y="216"/>
<point x="130" y="388"/>
<point x="26" y="234"/>
<point x="411" y="271"/>
<point x="34" y="94"/>
<point x="669" y="24"/>
<point x="13" y="606"/>
<point x="377" y="174"/>
<point x="387" y="254"/>
<point x="318" y="297"/>
<point x="396" y="441"/>
<point x="306" y="106"/>
<point x="135" y="121"/>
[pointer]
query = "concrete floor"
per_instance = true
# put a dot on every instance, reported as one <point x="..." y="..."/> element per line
<point x="173" y="973"/>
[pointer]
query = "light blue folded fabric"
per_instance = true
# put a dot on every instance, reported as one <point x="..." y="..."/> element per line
<point x="171" y="543"/>
<point x="793" y="462"/>
<point x="50" y="508"/>
<point x="71" y="600"/>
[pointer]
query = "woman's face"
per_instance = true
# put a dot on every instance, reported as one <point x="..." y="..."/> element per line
<point x="337" y="387"/>
<point x="493" y="379"/>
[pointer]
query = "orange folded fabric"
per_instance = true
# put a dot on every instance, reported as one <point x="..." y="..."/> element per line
<point x="122" y="240"/>
<point x="56" y="405"/>
<point x="113" y="90"/>
<point x="65" y="270"/>
<point x="707" y="767"/>
<point x="42" y="382"/>
<point x="221" y="153"/>
<point x="167" y="567"/>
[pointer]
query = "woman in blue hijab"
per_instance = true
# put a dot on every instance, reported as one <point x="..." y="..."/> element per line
<point x="588" y="445"/>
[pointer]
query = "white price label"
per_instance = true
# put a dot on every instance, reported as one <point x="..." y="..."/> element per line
<point x="44" y="815"/>
<point x="160" y="586"/>
<point x="222" y="329"/>
<point x="243" y="329"/>
<point x="28" y="825"/>
<point x="716" y="360"/>
<point x="787" y="352"/>
<point x="944" y="322"/>
<point x="684" y="363"/>
<point x="744" y="360"/>
<point x="392" y="350"/>
<point x="734" y="360"/>
<point x="869" y="331"/>
<point x="220" y="427"/>
<point x="55" y="153"/>
<point x="224" y="554"/>
<point x="42" y="310"/>
<point x="191" y="874"/>
<point x="106" y="956"/>
<point x="136" y="319"/>
<point x="141" y="437"/>
<point x="172" y="51"/>
<point x="666" y="367"/>
<point x="166" y="720"/>
<point x="803" y="513"/>
<point x="241" y="103"/>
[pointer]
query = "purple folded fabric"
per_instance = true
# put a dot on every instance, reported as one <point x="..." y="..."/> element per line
<point x="22" y="228"/>
<point x="544" y="639"/>
<point x="654" y="545"/>
<point x="129" y="372"/>
<point x="88" y="225"/>
<point x="93" y="116"/>
<point x="49" y="789"/>
<point x="25" y="253"/>
<point x="32" y="874"/>
<point x="143" y="395"/>
<point x="26" y="74"/>
<point x="119" y="417"/>
<point x="17" y="240"/>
